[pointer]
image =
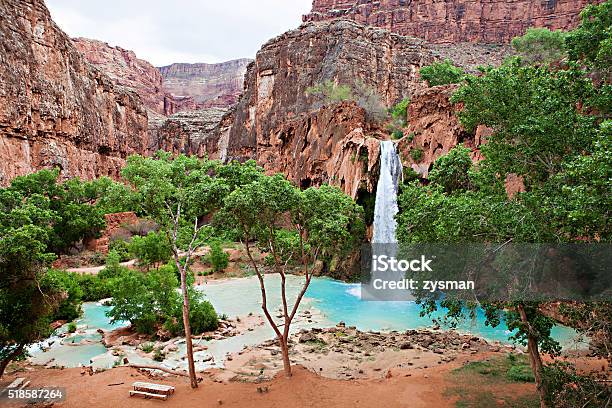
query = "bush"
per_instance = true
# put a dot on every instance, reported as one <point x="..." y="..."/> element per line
<point x="330" y="91"/>
<point x="72" y="327"/>
<point x="151" y="300"/>
<point x="217" y="257"/>
<point x="151" y="250"/>
<point x="540" y="45"/>
<point x="70" y="307"/>
<point x="122" y="248"/>
<point x="147" y="347"/>
<point x="451" y="170"/>
<point x="400" y="111"/>
<point x="416" y="154"/>
<point x="202" y="315"/>
<point x="94" y="287"/>
<point x="442" y="73"/>
<point x="397" y="134"/>
<point x="158" y="355"/>
<point x="520" y="373"/>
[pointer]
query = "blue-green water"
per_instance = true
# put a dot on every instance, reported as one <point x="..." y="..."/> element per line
<point x="329" y="302"/>
<point x="341" y="301"/>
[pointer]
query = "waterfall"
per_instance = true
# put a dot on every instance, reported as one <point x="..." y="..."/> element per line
<point x="385" y="208"/>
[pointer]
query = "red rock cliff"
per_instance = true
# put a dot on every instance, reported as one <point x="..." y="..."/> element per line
<point x="451" y="21"/>
<point x="282" y="127"/>
<point x="127" y="70"/>
<point x="207" y="85"/>
<point x="56" y="110"/>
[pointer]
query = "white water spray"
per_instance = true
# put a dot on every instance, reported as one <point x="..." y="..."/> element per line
<point x="385" y="208"/>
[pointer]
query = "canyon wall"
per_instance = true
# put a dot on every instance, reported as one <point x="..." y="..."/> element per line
<point x="286" y="129"/>
<point x="205" y="85"/>
<point x="56" y="109"/>
<point x="189" y="132"/>
<point x="452" y="21"/>
<point x="127" y="70"/>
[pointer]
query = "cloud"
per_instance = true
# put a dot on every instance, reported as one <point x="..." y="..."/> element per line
<point x="163" y="32"/>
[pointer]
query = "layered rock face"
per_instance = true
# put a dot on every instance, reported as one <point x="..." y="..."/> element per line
<point x="56" y="110"/>
<point x="452" y="21"/>
<point x="189" y="132"/>
<point x="127" y="70"/>
<point x="277" y="123"/>
<point x="205" y="85"/>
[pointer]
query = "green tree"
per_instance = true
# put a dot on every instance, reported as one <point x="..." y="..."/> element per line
<point x="540" y="45"/>
<point x="400" y="111"/>
<point x="591" y="42"/>
<point x="151" y="250"/>
<point x="548" y="130"/>
<point x="217" y="257"/>
<point x="176" y="193"/>
<point x="27" y="297"/>
<point x="75" y="218"/>
<point x="451" y="170"/>
<point x="326" y="222"/>
<point x="442" y="73"/>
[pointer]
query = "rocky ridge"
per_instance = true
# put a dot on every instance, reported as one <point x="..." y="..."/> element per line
<point x="56" y="109"/>
<point x="205" y="85"/>
<point x="284" y="129"/>
<point x="127" y="70"/>
<point x="454" y="21"/>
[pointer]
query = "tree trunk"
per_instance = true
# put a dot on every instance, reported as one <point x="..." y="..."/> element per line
<point x="188" y="340"/>
<point x="285" y="353"/>
<point x="534" y="357"/>
<point x="14" y="354"/>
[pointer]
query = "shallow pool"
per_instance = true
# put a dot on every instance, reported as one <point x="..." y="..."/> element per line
<point x="329" y="300"/>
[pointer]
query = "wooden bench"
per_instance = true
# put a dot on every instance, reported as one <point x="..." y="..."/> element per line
<point x="148" y="395"/>
<point x="153" y="388"/>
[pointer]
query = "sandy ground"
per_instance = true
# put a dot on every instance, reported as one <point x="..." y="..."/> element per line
<point x="304" y="389"/>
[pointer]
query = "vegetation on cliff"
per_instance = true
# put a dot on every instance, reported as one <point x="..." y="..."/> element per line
<point x="550" y="126"/>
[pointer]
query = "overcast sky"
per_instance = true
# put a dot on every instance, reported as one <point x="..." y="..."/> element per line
<point x="163" y="32"/>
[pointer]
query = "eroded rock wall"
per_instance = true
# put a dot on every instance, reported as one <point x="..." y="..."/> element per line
<point x="452" y="21"/>
<point x="56" y="109"/>
<point x="278" y="124"/>
<point x="126" y="69"/>
<point x="205" y="85"/>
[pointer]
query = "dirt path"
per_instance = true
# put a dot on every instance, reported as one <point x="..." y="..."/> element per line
<point x="304" y="389"/>
<point x="94" y="270"/>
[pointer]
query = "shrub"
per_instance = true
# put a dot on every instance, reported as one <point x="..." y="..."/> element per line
<point x="122" y="248"/>
<point x="202" y="315"/>
<point x="218" y="258"/>
<point x="442" y="73"/>
<point x="520" y="373"/>
<point x="94" y="288"/>
<point x="151" y="300"/>
<point x="68" y="283"/>
<point x="416" y="154"/>
<point x="397" y="134"/>
<point x="147" y="347"/>
<point x="400" y="111"/>
<point x="451" y="170"/>
<point x="330" y="91"/>
<point x="540" y="45"/>
<point x="72" y="327"/>
<point x="158" y="355"/>
<point x="152" y="249"/>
